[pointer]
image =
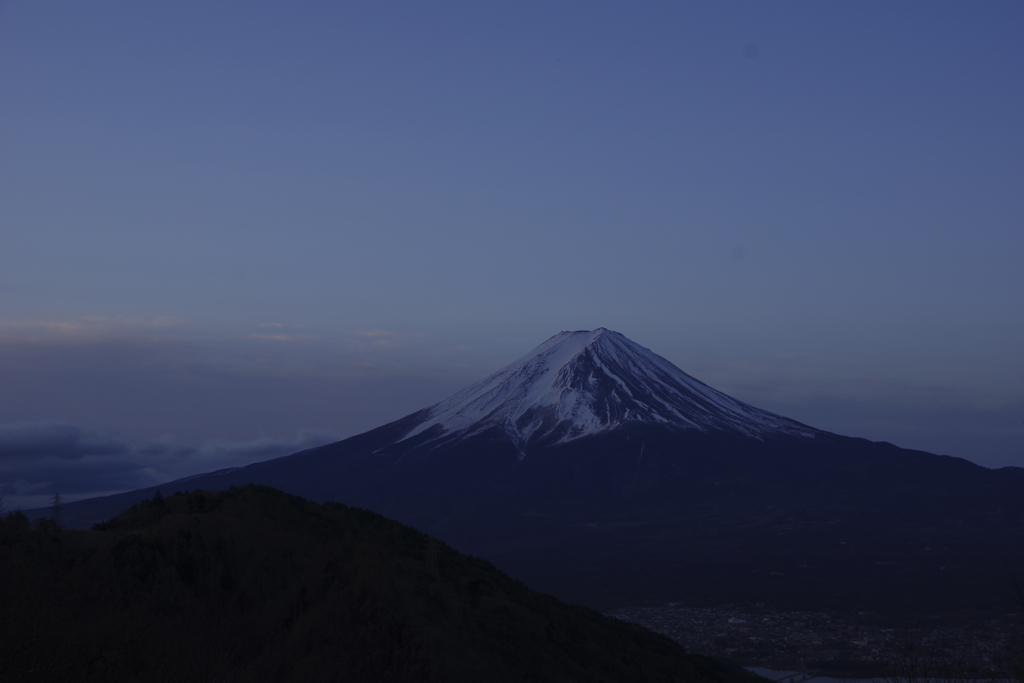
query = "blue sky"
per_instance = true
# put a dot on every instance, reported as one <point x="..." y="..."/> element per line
<point x="276" y="223"/>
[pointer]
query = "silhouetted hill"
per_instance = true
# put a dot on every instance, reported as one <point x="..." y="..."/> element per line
<point x="254" y="584"/>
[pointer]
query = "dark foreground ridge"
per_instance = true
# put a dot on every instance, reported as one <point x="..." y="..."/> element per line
<point x="255" y="584"/>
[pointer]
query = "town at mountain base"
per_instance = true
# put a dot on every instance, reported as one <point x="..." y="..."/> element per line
<point x="252" y="584"/>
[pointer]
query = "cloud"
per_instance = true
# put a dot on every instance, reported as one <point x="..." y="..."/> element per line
<point x="211" y="397"/>
<point x="375" y="339"/>
<point x="43" y="458"/>
<point x="280" y="337"/>
<point x="87" y="327"/>
<point x="262" y="448"/>
<point x="54" y="439"/>
<point x="375" y="333"/>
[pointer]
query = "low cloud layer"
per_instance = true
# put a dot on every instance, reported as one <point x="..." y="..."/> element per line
<point x="40" y="459"/>
<point x="231" y="387"/>
<point x="137" y="379"/>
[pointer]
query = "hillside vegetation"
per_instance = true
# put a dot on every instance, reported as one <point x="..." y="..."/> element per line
<point x="252" y="584"/>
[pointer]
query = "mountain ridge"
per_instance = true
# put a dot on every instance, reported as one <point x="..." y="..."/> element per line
<point x="251" y="584"/>
<point x="730" y="503"/>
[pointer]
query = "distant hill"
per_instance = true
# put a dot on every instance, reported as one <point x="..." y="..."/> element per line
<point x="596" y="470"/>
<point x="252" y="584"/>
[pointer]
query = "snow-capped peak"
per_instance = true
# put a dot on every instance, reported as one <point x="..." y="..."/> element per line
<point x="581" y="383"/>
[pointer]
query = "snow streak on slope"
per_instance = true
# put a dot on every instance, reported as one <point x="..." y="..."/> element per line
<point x="581" y="383"/>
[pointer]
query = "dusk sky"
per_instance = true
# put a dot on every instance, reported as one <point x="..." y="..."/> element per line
<point x="230" y="230"/>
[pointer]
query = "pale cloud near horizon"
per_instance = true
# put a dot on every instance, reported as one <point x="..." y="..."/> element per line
<point x="87" y="327"/>
<point x="161" y="376"/>
<point x="377" y="339"/>
<point x="335" y="351"/>
<point x="40" y="459"/>
<point x="375" y="333"/>
<point x="103" y="401"/>
<point x="280" y="337"/>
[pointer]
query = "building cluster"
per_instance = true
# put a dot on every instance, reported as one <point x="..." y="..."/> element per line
<point x="837" y="644"/>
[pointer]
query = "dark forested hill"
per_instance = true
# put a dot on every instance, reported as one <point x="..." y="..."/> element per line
<point x="252" y="584"/>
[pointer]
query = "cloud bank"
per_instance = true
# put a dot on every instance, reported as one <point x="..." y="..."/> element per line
<point x="40" y="459"/>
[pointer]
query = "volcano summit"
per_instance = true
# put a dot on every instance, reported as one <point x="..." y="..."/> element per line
<point x="596" y="470"/>
<point x="579" y="384"/>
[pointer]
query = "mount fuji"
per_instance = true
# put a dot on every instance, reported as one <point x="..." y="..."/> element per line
<point x="596" y="470"/>
<point x="579" y="384"/>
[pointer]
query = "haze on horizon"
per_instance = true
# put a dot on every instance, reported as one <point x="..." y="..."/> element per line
<point x="233" y="230"/>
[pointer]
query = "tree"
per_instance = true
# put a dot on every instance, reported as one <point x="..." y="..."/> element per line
<point x="55" y="513"/>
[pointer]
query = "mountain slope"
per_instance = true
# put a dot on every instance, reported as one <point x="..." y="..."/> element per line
<point x="596" y="470"/>
<point x="252" y="584"/>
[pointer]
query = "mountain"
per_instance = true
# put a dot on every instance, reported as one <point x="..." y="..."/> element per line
<point x="580" y="384"/>
<point x="252" y="584"/>
<point x="594" y="469"/>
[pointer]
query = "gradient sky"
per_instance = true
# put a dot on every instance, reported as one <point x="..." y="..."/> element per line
<point x="232" y="229"/>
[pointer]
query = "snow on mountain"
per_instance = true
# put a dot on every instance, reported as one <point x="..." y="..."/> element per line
<point x="581" y="383"/>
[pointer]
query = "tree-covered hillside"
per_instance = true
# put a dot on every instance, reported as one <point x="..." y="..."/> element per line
<point x="255" y="585"/>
